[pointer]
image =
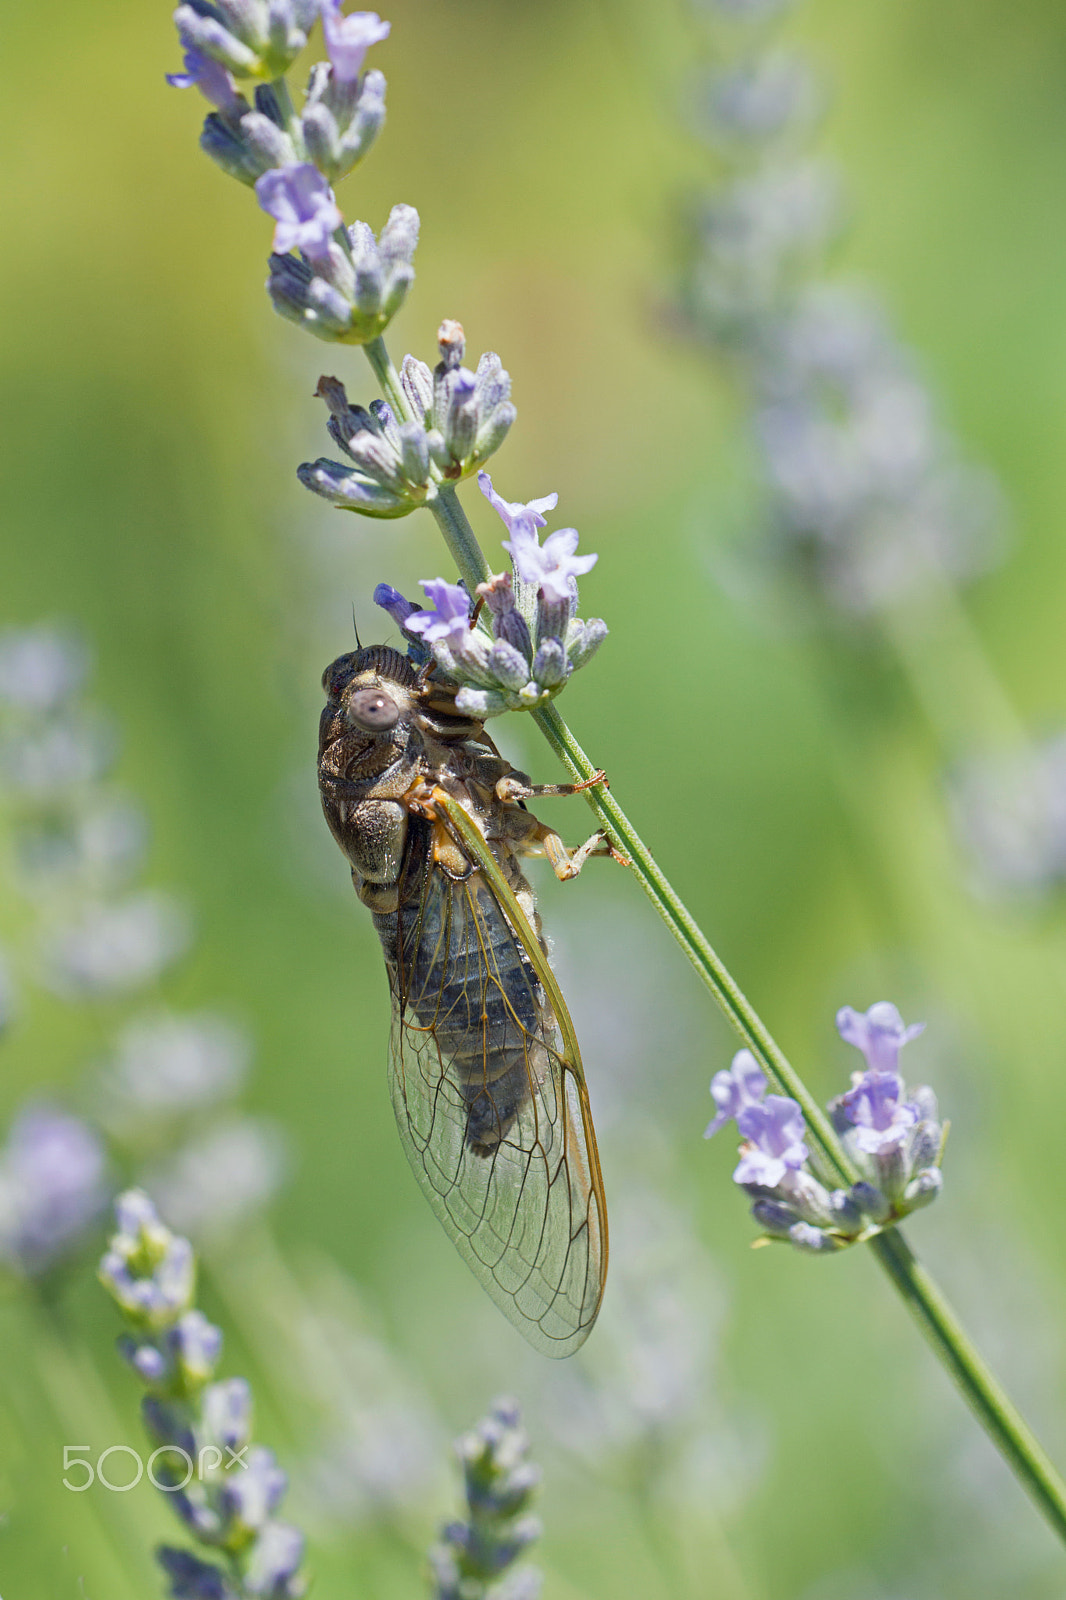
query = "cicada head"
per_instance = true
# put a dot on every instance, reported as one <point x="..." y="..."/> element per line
<point x="366" y="721"/>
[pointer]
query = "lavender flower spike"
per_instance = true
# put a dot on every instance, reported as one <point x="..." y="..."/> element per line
<point x="744" y="1084"/>
<point x="349" y="38"/>
<point x="302" y="204"/>
<point x="879" y="1033"/>
<point x="773" y="1142"/>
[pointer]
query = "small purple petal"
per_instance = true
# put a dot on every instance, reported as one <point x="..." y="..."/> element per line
<point x="349" y="38"/>
<point x="744" y="1084"/>
<point x="302" y="204"/>
<point x="397" y="605"/>
<point x="876" y="1110"/>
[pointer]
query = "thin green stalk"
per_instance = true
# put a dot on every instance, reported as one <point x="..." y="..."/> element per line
<point x="388" y="377"/>
<point x="989" y="1402"/>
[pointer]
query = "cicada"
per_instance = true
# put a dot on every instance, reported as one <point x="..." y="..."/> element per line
<point x="484" y="1067"/>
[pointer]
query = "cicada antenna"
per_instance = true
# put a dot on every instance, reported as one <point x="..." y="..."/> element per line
<point x="355" y="625"/>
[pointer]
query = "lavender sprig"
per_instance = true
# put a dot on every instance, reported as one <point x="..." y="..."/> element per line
<point x="475" y="1559"/>
<point x="891" y="1134"/>
<point x="224" y="1488"/>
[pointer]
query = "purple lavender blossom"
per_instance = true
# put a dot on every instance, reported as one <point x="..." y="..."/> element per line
<point x="449" y="624"/>
<point x="212" y="80"/>
<point x="349" y="38"/>
<point x="515" y="515"/>
<point x="550" y="567"/>
<point x="879" y="1033"/>
<point x="52" y="1187"/>
<point x="743" y="1084"/>
<point x="877" y="1111"/>
<point x="302" y="204"/>
<point x="773" y="1133"/>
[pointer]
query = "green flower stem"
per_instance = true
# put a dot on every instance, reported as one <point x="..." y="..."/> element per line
<point x="993" y="1409"/>
<point x="389" y="379"/>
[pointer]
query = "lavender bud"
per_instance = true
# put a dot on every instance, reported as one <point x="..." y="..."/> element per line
<point x="417" y="382"/>
<point x="813" y="1240"/>
<point x="775" y="1217"/>
<point x="584" y="639"/>
<point x="482" y="703"/>
<point x="553" y="615"/>
<point x="451" y="342"/>
<point x="550" y="666"/>
<point x="210" y="38"/>
<point x="222" y="140"/>
<point x="923" y="1149"/>
<point x="350" y="491"/>
<point x="392" y="601"/>
<point x="507" y="666"/>
<point x="267" y="145"/>
<point x="250" y="1496"/>
<point x="847" y="1216"/>
<point x="923" y="1189"/>
<point x="273" y="1563"/>
<point x="870" y="1201"/>
<point x="193" y="1579"/>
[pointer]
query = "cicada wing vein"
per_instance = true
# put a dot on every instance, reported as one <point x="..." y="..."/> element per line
<point x="493" y="1112"/>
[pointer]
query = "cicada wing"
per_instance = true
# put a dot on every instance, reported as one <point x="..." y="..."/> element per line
<point x="494" y="1116"/>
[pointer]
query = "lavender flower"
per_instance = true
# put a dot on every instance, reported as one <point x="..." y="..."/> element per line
<point x="224" y="1488"/>
<point x="302" y="204"/>
<point x="167" y="1064"/>
<point x="53" y="1186"/>
<point x="349" y="38"/>
<point x="879" y="1033"/>
<point x="112" y="948"/>
<point x="341" y="118"/>
<point x="449" y="623"/>
<point x="1010" y="814"/>
<point x="744" y="1084"/>
<point x="40" y="668"/>
<point x="473" y="1556"/>
<point x="773" y="1142"/>
<point x="213" y="1184"/>
<point x="891" y="1134"/>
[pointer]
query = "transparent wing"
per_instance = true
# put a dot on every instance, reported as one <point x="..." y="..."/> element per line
<point x="493" y="1113"/>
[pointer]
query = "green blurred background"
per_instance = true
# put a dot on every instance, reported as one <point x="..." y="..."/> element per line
<point x="155" y="410"/>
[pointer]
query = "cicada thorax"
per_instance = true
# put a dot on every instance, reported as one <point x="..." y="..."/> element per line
<point x="458" y="967"/>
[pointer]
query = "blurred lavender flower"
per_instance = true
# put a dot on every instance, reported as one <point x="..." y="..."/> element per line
<point x="166" y="1064"/>
<point x="55" y="756"/>
<point x="94" y="847"/>
<point x="40" y="667"/>
<point x="215" y="1183"/>
<point x="303" y="207"/>
<point x="224" y="1488"/>
<point x="473" y="1559"/>
<point x="867" y="498"/>
<point x="53" y="1186"/>
<point x="110" y="948"/>
<point x="349" y="38"/>
<point x="1010" y="815"/>
<point x="892" y="1135"/>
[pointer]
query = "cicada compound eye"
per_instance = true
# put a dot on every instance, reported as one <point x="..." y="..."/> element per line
<point x="373" y="709"/>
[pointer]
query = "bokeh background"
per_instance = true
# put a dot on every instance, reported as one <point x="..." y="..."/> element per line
<point x="754" y="1425"/>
